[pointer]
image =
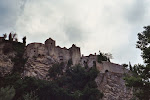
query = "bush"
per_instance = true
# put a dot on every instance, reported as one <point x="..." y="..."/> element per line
<point x="103" y="57"/>
<point x="7" y="93"/>
<point x="30" y="96"/>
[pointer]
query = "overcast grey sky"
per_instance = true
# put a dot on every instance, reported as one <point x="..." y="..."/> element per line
<point x="106" y="25"/>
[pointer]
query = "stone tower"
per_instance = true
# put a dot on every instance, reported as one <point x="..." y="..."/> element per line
<point x="50" y="45"/>
<point x="75" y="54"/>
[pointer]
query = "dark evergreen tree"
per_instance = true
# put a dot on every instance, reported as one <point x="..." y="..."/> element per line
<point x="140" y="79"/>
<point x="24" y="39"/>
<point x="10" y="36"/>
<point x="103" y="57"/>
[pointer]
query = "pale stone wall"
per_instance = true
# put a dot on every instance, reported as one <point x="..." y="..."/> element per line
<point x="102" y="67"/>
<point x="111" y="67"/>
<point x="58" y="53"/>
<point x="65" y="55"/>
<point x="35" y="49"/>
<point x="92" y="59"/>
<point x="75" y="54"/>
<point x="62" y="54"/>
<point x="84" y="61"/>
<point x="50" y="45"/>
<point x="89" y="60"/>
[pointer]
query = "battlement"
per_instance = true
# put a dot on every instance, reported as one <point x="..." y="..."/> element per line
<point x="64" y="55"/>
<point x="50" y="49"/>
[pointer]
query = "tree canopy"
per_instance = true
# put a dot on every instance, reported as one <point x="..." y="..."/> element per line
<point x="140" y="79"/>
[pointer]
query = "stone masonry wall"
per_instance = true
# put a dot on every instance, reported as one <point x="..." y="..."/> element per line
<point x="56" y="52"/>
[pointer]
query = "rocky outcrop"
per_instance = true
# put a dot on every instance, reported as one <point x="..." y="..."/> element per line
<point x="110" y="84"/>
<point x="38" y="66"/>
<point x="6" y="57"/>
<point x="6" y="65"/>
<point x="113" y="86"/>
<point x="39" y="60"/>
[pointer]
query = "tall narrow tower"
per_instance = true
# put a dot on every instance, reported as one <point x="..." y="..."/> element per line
<point x="50" y="45"/>
<point x="75" y="54"/>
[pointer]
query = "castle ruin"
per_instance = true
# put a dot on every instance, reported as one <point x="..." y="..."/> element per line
<point x="59" y="54"/>
<point x="56" y="52"/>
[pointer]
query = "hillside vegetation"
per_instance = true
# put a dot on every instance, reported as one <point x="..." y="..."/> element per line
<point x="76" y="83"/>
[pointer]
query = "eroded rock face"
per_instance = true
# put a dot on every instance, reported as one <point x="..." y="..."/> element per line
<point x="113" y="86"/>
<point x="6" y="63"/>
<point x="38" y="67"/>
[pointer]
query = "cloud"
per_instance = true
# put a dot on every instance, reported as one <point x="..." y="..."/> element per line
<point x="9" y="12"/>
<point x="136" y="11"/>
<point x="109" y="26"/>
<point x="73" y="32"/>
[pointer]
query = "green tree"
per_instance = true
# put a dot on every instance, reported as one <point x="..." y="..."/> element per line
<point x="10" y="36"/>
<point x="7" y="93"/>
<point x="77" y="83"/>
<point x="140" y="79"/>
<point x="103" y="57"/>
<point x="30" y="96"/>
<point x="125" y="65"/>
<point x="56" y="70"/>
<point x="24" y="40"/>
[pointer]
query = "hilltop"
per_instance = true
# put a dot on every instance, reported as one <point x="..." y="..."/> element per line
<point x="49" y="62"/>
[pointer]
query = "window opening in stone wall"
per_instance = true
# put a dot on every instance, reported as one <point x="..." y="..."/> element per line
<point x="106" y="70"/>
<point x="94" y="63"/>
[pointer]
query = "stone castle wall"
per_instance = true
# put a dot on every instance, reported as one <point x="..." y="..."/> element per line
<point x="36" y="49"/>
<point x="88" y="60"/>
<point x="111" y="67"/>
<point x="64" y="55"/>
<point x="75" y="54"/>
<point x="103" y="67"/>
<point x="50" y="49"/>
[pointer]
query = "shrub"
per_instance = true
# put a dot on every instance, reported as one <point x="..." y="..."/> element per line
<point x="7" y="93"/>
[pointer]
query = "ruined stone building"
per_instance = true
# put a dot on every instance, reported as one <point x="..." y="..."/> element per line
<point x="56" y="52"/>
<point x="41" y="57"/>
<point x="59" y="54"/>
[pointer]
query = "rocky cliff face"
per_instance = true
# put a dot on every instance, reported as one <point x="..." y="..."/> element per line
<point x="110" y="84"/>
<point x="38" y="66"/>
<point x="113" y="86"/>
<point x="6" y="57"/>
